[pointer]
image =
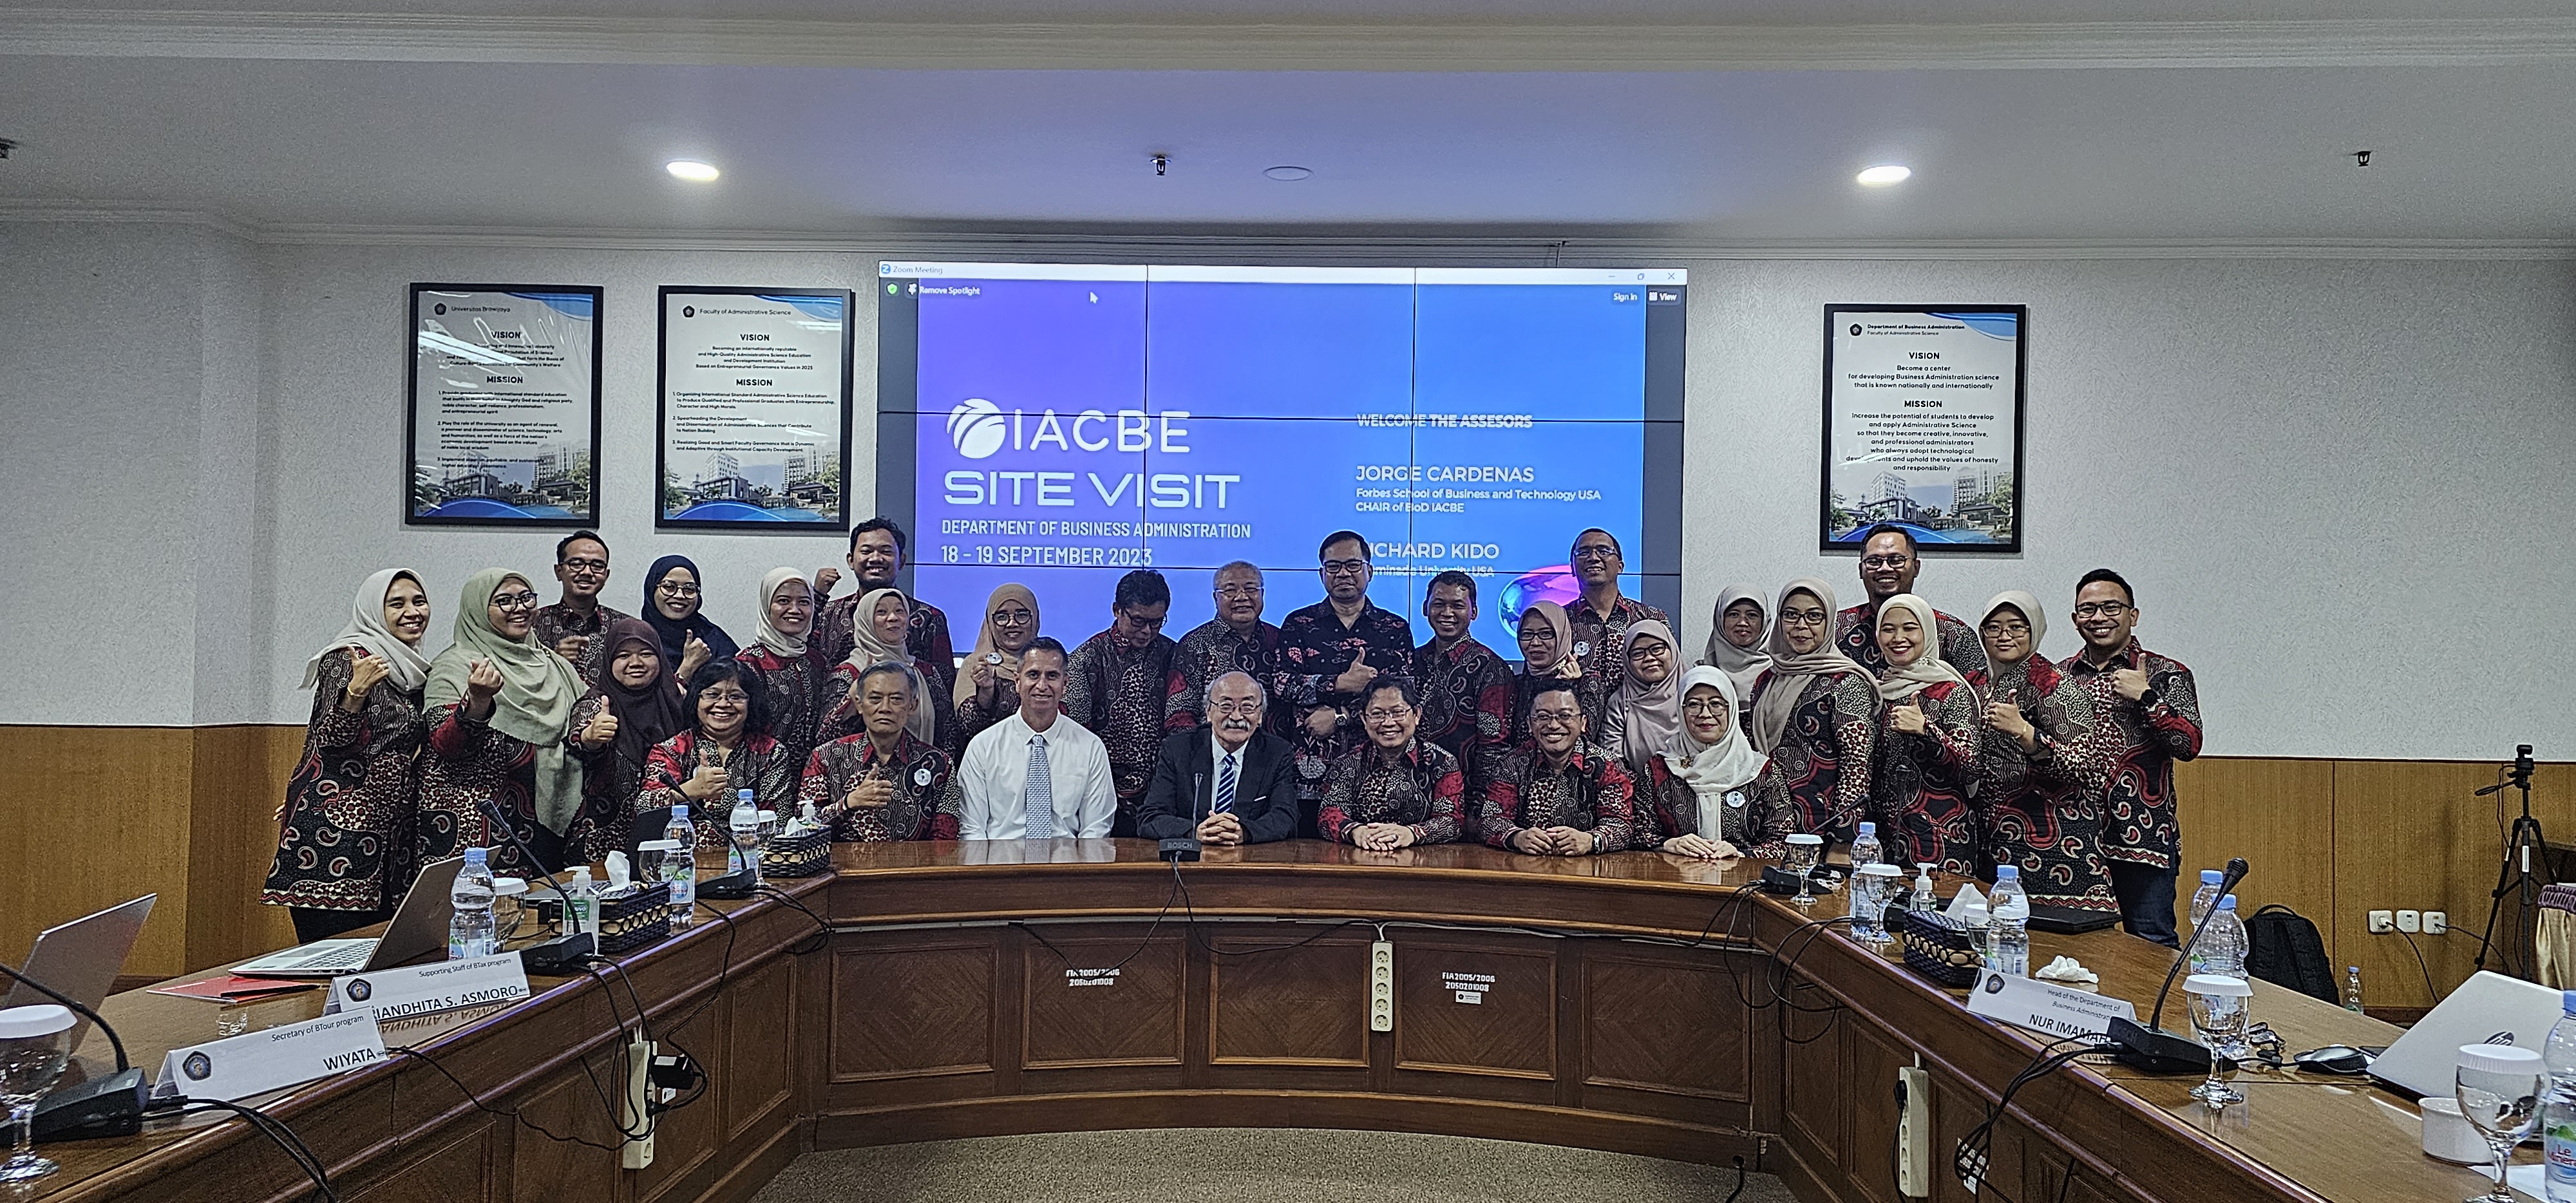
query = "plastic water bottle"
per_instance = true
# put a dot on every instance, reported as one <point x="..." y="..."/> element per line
<point x="2203" y="901"/>
<point x="1865" y="849"/>
<point x="745" y="824"/>
<point x="680" y="866"/>
<point x="2558" y="1103"/>
<point x="2352" y="988"/>
<point x="2223" y="947"/>
<point x="471" y="931"/>
<point x="2008" y="924"/>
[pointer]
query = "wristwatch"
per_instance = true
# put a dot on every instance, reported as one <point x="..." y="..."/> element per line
<point x="2149" y="697"/>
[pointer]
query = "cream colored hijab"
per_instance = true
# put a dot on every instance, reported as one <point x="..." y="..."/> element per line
<point x="767" y="633"/>
<point x="867" y="651"/>
<point x="1649" y="716"/>
<point x="987" y="644"/>
<point x="1791" y="671"/>
<point x="1566" y="666"/>
<point x="1742" y="664"/>
<point x="366" y="631"/>
<point x="1896" y="681"/>
<point x="2022" y="601"/>
<point x="1713" y="769"/>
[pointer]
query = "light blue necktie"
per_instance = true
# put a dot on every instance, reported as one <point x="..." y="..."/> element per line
<point x="1040" y="793"/>
<point x="1225" y="786"/>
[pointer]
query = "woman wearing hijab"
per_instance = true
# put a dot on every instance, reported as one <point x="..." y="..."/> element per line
<point x="635" y="706"/>
<point x="673" y="600"/>
<point x="1927" y="743"/>
<point x="721" y="752"/>
<point x="499" y="710"/>
<point x="343" y="841"/>
<point x="1646" y="713"/>
<point x="985" y="685"/>
<point x="795" y="680"/>
<point x="1735" y="637"/>
<point x="1815" y="714"/>
<point x="878" y="629"/>
<point x="1547" y="655"/>
<point x="1707" y="793"/>
<point x="2039" y="769"/>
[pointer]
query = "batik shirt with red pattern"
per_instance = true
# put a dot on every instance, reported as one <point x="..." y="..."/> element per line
<point x="757" y="763"/>
<point x="1213" y="649"/>
<point x="1120" y="696"/>
<point x="344" y="843"/>
<point x="1922" y="782"/>
<point x="556" y="621"/>
<point x="1467" y="695"/>
<point x="1591" y="792"/>
<point x="1422" y="790"/>
<point x="2042" y="810"/>
<point x="2140" y="744"/>
<point x="1856" y="633"/>
<point x="1826" y="754"/>
<point x="920" y="775"/>
<point x="798" y="691"/>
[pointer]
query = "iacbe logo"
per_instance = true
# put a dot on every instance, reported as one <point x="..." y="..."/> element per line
<point x="977" y="428"/>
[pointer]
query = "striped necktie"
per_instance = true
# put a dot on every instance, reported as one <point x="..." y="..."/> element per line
<point x="1040" y="793"/>
<point x="1225" y="785"/>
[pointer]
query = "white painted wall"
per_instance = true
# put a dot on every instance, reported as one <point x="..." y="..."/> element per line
<point x="2335" y="483"/>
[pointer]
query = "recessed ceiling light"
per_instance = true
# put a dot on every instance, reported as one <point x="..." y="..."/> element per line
<point x="1884" y="174"/>
<point x="1287" y="172"/>
<point x="692" y="170"/>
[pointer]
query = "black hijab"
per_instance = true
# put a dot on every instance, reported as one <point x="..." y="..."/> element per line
<point x="646" y="716"/>
<point x="675" y="634"/>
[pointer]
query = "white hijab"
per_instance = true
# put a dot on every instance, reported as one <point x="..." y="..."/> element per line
<point x="769" y="636"/>
<point x="1711" y="770"/>
<point x="404" y="665"/>
<point x="1928" y="669"/>
<point x="1743" y="665"/>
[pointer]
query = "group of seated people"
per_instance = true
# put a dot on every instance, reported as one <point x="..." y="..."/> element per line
<point x="544" y="728"/>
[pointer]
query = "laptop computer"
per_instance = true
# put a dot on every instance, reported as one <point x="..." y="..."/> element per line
<point x="418" y="928"/>
<point x="2489" y="1008"/>
<point x="2070" y="920"/>
<point x="80" y="959"/>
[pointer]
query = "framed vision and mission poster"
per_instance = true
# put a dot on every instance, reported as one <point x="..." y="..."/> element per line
<point x="1923" y="424"/>
<point x="502" y="415"/>
<point x="755" y="409"/>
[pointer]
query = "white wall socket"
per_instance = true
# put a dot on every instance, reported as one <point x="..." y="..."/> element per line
<point x="2410" y="921"/>
<point x="2382" y="922"/>
<point x="2435" y="923"/>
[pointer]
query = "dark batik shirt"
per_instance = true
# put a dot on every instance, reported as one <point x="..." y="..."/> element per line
<point x="925" y="636"/>
<point x="1423" y="790"/>
<point x="1825" y="755"/>
<point x="1757" y="817"/>
<point x="1591" y="792"/>
<point x="1600" y="646"/>
<point x="1921" y="786"/>
<point x="1120" y="696"/>
<point x="844" y="680"/>
<point x="1213" y="649"/>
<point x="554" y="622"/>
<point x="344" y="843"/>
<point x="1467" y="699"/>
<point x="1525" y="690"/>
<point x="2140" y="744"/>
<point x="920" y="774"/>
<point x="469" y="761"/>
<point x="798" y="692"/>
<point x="1315" y="648"/>
<point x="2042" y="811"/>
<point x="757" y="763"/>
<point x="1856" y="633"/>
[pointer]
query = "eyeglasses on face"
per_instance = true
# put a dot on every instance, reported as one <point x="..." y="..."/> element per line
<point x="1383" y="714"/>
<point x="586" y="565"/>
<point x="1554" y="718"/>
<point x="2108" y="609"/>
<point x="1237" y="707"/>
<point x="1243" y="590"/>
<point x="514" y="601"/>
<point x="2007" y="627"/>
<point x="1597" y="551"/>
<point x="1013" y="617"/>
<point x="1885" y="561"/>
<point x="1344" y="567"/>
<point x="676" y="589"/>
<point x="1711" y="706"/>
<point x="1802" y="618"/>
<point x="724" y="695"/>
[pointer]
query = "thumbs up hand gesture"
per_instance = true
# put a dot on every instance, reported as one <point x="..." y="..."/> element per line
<point x="1357" y="676"/>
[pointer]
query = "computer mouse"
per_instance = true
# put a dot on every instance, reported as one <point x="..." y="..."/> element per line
<point x="2334" y="1059"/>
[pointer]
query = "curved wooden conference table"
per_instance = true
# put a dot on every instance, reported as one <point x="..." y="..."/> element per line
<point x="1619" y="1002"/>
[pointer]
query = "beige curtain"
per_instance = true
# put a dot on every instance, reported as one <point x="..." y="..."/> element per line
<point x="2554" y="938"/>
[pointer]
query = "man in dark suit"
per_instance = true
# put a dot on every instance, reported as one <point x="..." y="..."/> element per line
<point x="1238" y="775"/>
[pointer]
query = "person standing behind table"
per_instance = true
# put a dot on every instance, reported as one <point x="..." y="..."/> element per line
<point x="1888" y="566"/>
<point x="984" y="687"/>
<point x="1600" y="619"/>
<point x="1815" y="714"/>
<point x="1547" y="656"/>
<point x="1554" y="794"/>
<point x="1467" y="690"/>
<point x="1236" y="640"/>
<point x="1331" y="652"/>
<point x="674" y="598"/>
<point x="1927" y="744"/>
<point x="572" y="625"/>
<point x="723" y="751"/>
<point x="876" y="556"/>
<point x="881" y="641"/>
<point x="795" y="682"/>
<point x="635" y="705"/>
<point x="1234" y="772"/>
<point x="1708" y="794"/>
<point x="2147" y="716"/>
<point x="1035" y="775"/>
<point x="343" y="839"/>
<point x="1117" y="684"/>
<point x="1647" y="711"/>
<point x="881" y="784"/>
<point x="1394" y="791"/>
<point x="1737" y="631"/>
<point x="499" y="711"/>
<point x="2039" y="771"/>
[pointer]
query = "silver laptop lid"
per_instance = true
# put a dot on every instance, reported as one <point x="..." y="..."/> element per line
<point x="80" y="959"/>
<point x="419" y="925"/>
<point x="2489" y="1008"/>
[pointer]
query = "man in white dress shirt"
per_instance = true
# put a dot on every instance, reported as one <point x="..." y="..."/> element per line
<point x="1035" y="775"/>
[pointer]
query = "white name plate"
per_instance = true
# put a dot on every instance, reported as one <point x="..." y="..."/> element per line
<point x="241" y="1066"/>
<point x="438" y="986"/>
<point x="2055" y="1010"/>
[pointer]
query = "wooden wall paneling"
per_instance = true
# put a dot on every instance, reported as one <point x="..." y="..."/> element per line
<point x="1275" y="1008"/>
<point x="758" y="1049"/>
<point x="685" y="1140"/>
<point x="116" y="801"/>
<point x="554" y="1168"/>
<point x="1868" y="1085"/>
<point x="1122" y="1017"/>
<point x="238" y="777"/>
<point x="2416" y="838"/>
<point x="1665" y="1035"/>
<point x="2279" y="816"/>
<point x="1812" y="1060"/>
<point x="910" y="1006"/>
<point x="460" y="1166"/>
<point x="1456" y="1032"/>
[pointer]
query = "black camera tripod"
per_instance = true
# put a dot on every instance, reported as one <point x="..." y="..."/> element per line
<point x="2516" y="877"/>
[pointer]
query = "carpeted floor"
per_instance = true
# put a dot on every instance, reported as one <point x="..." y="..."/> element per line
<point x="1247" y="1165"/>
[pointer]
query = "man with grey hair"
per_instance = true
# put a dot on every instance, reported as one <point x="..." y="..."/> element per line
<point x="1236" y="640"/>
<point x="1233" y="783"/>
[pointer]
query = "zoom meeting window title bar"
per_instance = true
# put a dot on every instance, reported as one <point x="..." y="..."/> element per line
<point x="1195" y="274"/>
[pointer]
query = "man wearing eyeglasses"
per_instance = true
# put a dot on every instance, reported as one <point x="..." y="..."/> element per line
<point x="1393" y="790"/>
<point x="1601" y="618"/>
<point x="572" y="626"/>
<point x="1236" y="640"/>
<point x="1554" y="794"/>
<point x="2148" y="717"/>
<point x="1330" y="653"/>
<point x="1233" y="783"/>
<point x="1888" y="565"/>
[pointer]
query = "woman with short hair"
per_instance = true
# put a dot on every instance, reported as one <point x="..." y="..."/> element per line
<point x="725" y="749"/>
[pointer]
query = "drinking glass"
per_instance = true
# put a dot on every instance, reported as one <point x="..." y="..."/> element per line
<point x="749" y="840"/>
<point x="1871" y="888"/>
<point x="2498" y="1087"/>
<point x="2219" y="1014"/>
<point x="1805" y="851"/>
<point x="35" y="1045"/>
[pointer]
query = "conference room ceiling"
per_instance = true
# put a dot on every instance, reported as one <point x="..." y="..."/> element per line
<point x="2024" y="120"/>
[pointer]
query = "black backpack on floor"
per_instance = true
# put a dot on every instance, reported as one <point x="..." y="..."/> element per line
<point x="2285" y="950"/>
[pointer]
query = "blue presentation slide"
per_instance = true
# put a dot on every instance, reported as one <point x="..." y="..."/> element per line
<point x="1071" y="423"/>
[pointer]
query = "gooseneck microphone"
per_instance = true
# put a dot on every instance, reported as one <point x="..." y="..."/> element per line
<point x="2151" y="1048"/>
